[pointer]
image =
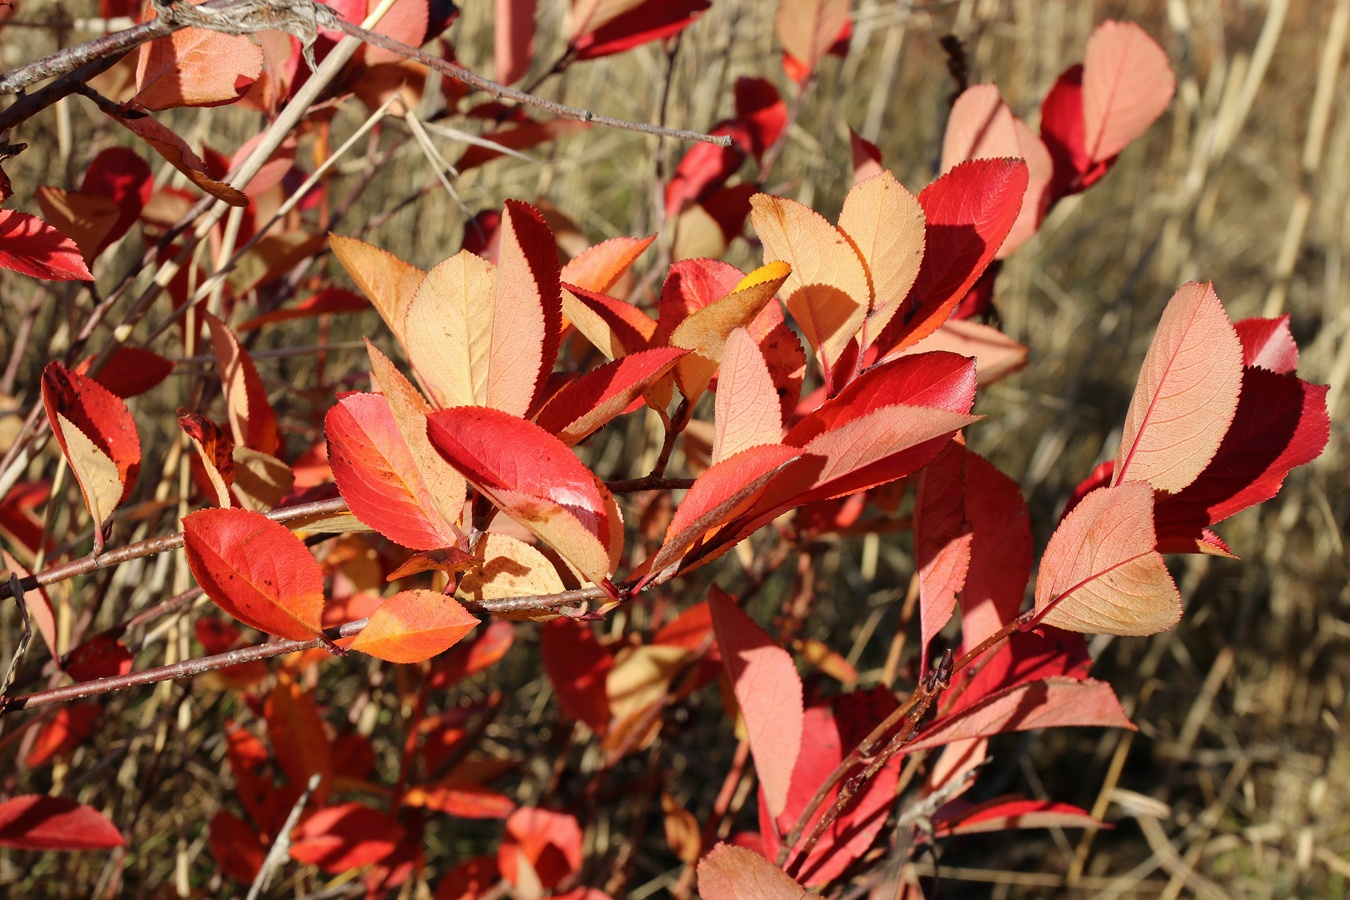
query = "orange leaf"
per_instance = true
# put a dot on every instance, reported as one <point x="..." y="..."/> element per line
<point x="600" y="267"/>
<point x="768" y="690"/>
<point x="828" y="292"/>
<point x="300" y="742"/>
<point x="252" y="421"/>
<point x="32" y="247"/>
<point x="464" y="800"/>
<point x="535" y="479"/>
<point x="1127" y="84"/>
<point x="747" y="412"/>
<point x="1187" y="393"/>
<point x="527" y="315"/>
<point x="735" y="873"/>
<point x="216" y="452"/>
<point x="808" y="28"/>
<point x="996" y="355"/>
<point x="1100" y="572"/>
<point x="412" y="626"/>
<point x="615" y="327"/>
<point x="386" y="280"/>
<point x="195" y="67"/>
<point x="255" y="570"/>
<point x="513" y="34"/>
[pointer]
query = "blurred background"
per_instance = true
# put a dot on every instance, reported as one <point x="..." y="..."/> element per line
<point x="1237" y="783"/>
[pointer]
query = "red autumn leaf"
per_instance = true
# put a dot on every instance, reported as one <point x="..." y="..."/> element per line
<point x="1186" y="396"/>
<point x="326" y="302"/>
<point x="15" y="512"/>
<point x="300" y="741"/>
<point x="265" y="803"/>
<point x="1127" y="84"/>
<point x="577" y="666"/>
<point x="252" y="420"/>
<point x="762" y="110"/>
<point x="705" y="168"/>
<point x="533" y="477"/>
<point x="1007" y="813"/>
<point x="32" y="822"/>
<point x="30" y="246"/>
<point x="99" y="414"/>
<point x="484" y="650"/>
<point x="345" y="837"/>
<point x="463" y="800"/>
<point x="68" y="727"/>
<point x="735" y="873"/>
<point x="513" y="34"/>
<point x="412" y="626"/>
<point x="586" y="405"/>
<point x="179" y="155"/>
<point x="523" y="136"/>
<point x="255" y="570"/>
<point x="1050" y="703"/>
<point x="1000" y="550"/>
<point x="720" y="495"/>
<point x="236" y="846"/>
<point x="130" y="371"/>
<point x="548" y="842"/>
<point x="119" y="174"/>
<point x="1026" y="656"/>
<point x="1269" y="344"/>
<point x="942" y="542"/>
<point x="866" y="157"/>
<point x="1100" y="572"/>
<point x="469" y="880"/>
<point x="1281" y="423"/>
<point x="690" y="285"/>
<point x="594" y="36"/>
<point x="968" y="213"/>
<point x="527" y="319"/>
<point x="378" y="476"/>
<point x="996" y="355"/>
<point x="981" y="126"/>
<point x="768" y="691"/>
<point x="600" y="267"/>
<point x="830" y="732"/>
<point x="407" y="21"/>
<point x="99" y="657"/>
<point x="216" y="451"/>
<point x="1062" y="133"/>
<point x="195" y="67"/>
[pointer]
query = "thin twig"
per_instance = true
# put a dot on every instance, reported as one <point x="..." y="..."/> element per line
<point x="186" y="669"/>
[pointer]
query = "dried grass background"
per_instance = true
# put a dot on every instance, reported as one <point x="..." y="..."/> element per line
<point x="1238" y="781"/>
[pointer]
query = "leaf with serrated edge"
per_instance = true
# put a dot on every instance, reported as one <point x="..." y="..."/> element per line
<point x="705" y="331"/>
<point x="768" y="691"/>
<point x="614" y="327"/>
<point x="1127" y="84"/>
<point x="255" y="570"/>
<point x="1100" y="572"/>
<point x="387" y="281"/>
<point x="446" y="487"/>
<point x="942" y="542"/>
<point x="100" y="482"/>
<point x="747" y="412"/>
<point x="412" y="626"/>
<point x="828" y="291"/>
<point x="260" y="479"/>
<point x="600" y="267"/>
<point x="1186" y="396"/>
<point x="735" y="873"/>
<point x="885" y="223"/>
<point x="808" y="28"/>
<point x="527" y="315"/>
<point x="535" y="479"/>
<point x="447" y="329"/>
<point x="511" y="568"/>
<point x="584" y="406"/>
<point x="378" y="475"/>
<point x="252" y="421"/>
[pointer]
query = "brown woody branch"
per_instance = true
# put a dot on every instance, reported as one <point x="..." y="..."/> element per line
<point x="185" y="669"/>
